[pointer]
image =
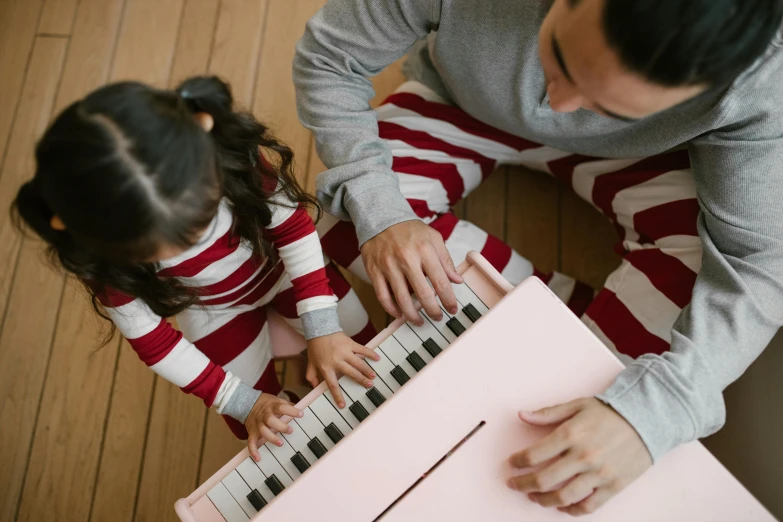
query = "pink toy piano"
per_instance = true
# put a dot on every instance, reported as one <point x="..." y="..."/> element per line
<point x="431" y="440"/>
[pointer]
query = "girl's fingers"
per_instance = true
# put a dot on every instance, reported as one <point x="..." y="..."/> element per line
<point x="274" y="423"/>
<point x="288" y="409"/>
<point x="334" y="387"/>
<point x="364" y="369"/>
<point x="252" y="446"/>
<point x="270" y="437"/>
<point x="350" y="371"/>
<point x="366" y="352"/>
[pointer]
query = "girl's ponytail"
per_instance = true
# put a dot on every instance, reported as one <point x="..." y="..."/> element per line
<point x="249" y="158"/>
<point x="31" y="208"/>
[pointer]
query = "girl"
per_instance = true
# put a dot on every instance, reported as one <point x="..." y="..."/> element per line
<point x="164" y="204"/>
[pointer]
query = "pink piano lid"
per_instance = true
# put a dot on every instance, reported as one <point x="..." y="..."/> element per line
<point x="528" y="352"/>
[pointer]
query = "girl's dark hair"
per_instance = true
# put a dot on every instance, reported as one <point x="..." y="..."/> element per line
<point x="128" y="168"/>
<point x="693" y="42"/>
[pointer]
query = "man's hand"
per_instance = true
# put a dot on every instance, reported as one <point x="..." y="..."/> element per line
<point x="585" y="461"/>
<point x="408" y="253"/>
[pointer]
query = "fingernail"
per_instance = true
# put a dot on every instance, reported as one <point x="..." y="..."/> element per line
<point x="368" y="384"/>
<point x="453" y="310"/>
<point x="341" y="404"/>
<point x="280" y="443"/>
<point x="510" y="484"/>
<point x="300" y="414"/>
<point x="532" y="498"/>
<point x="377" y="357"/>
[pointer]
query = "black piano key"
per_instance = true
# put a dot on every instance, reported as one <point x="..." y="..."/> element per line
<point x="416" y="361"/>
<point x="399" y="375"/>
<point x="358" y="411"/>
<point x="473" y="314"/>
<point x="334" y="433"/>
<point x="432" y="347"/>
<point x="300" y="462"/>
<point x="317" y="447"/>
<point x="375" y="397"/>
<point x="255" y="498"/>
<point x="455" y="326"/>
<point x="274" y="484"/>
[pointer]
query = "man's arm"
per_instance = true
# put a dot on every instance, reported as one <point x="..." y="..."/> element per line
<point x="737" y="303"/>
<point x="344" y="45"/>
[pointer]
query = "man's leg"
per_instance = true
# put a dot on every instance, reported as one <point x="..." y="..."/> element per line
<point x="652" y="203"/>
<point x="441" y="154"/>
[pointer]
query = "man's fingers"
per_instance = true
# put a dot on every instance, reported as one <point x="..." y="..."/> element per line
<point x="445" y="258"/>
<point x="440" y="282"/>
<point x="553" y="414"/>
<point x="424" y="292"/>
<point x="575" y="491"/>
<point x="549" y="447"/>
<point x="312" y="375"/>
<point x="591" y="503"/>
<point x="550" y="476"/>
<point x="384" y="295"/>
<point x="402" y="296"/>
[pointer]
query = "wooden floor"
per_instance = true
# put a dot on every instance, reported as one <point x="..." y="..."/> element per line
<point x="92" y="434"/>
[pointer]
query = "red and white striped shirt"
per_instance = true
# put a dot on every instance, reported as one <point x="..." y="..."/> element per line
<point x="230" y="281"/>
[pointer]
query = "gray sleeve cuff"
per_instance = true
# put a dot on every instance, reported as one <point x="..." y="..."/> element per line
<point x="375" y="209"/>
<point x="657" y="414"/>
<point x="320" y="322"/>
<point x="241" y="402"/>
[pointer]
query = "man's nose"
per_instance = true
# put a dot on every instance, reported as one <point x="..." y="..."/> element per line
<point x="563" y="97"/>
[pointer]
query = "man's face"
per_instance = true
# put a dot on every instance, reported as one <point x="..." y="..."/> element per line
<point x="582" y="71"/>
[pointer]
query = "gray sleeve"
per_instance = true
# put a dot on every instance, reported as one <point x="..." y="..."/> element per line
<point x="345" y="44"/>
<point x="737" y="303"/>
<point x="241" y="402"/>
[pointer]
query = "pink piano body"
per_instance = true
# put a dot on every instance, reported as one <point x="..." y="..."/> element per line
<point x="529" y="351"/>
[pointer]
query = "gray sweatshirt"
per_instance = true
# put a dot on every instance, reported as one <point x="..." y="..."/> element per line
<point x="483" y="56"/>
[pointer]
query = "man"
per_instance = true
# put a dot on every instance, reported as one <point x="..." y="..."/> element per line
<point x="692" y="92"/>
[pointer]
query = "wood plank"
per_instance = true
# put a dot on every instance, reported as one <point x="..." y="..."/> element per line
<point x="237" y="45"/>
<point x="57" y="17"/>
<point x="123" y="441"/>
<point x="148" y="37"/>
<point x="220" y="446"/>
<point x="67" y="444"/>
<point x="18" y="20"/>
<point x="274" y="98"/>
<point x="90" y="51"/>
<point x="533" y="217"/>
<point x="29" y="319"/>
<point x="194" y="45"/>
<point x="586" y="241"/>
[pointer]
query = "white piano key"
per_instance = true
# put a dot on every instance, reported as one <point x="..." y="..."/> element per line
<point x="283" y="455"/>
<point x="411" y="342"/>
<point x="345" y="412"/>
<point x="463" y="319"/>
<point x="254" y="478"/>
<point x="356" y="392"/>
<point x="313" y="428"/>
<point x="239" y="489"/>
<point x="226" y="504"/>
<point x="380" y="385"/>
<point x="465" y="295"/>
<point x="270" y="466"/>
<point x="298" y="440"/>
<point x="428" y="331"/>
<point x="441" y="327"/>
<point x="397" y="354"/>
<point x="328" y="414"/>
<point x="383" y="368"/>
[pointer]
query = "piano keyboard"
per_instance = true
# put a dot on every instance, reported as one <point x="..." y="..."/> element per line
<point x="247" y="488"/>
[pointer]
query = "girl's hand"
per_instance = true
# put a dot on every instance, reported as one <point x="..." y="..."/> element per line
<point x="587" y="460"/>
<point x="337" y="353"/>
<point x="263" y="422"/>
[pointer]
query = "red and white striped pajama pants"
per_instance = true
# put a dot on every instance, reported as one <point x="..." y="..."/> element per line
<point x="441" y="154"/>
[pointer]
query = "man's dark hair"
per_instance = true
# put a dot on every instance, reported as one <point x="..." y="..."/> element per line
<point x="691" y="42"/>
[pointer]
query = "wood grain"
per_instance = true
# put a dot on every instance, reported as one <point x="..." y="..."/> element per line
<point x="67" y="444"/>
<point x="194" y="45"/>
<point x="57" y="17"/>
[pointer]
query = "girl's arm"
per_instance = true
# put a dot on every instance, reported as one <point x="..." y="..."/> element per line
<point x="170" y="355"/>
